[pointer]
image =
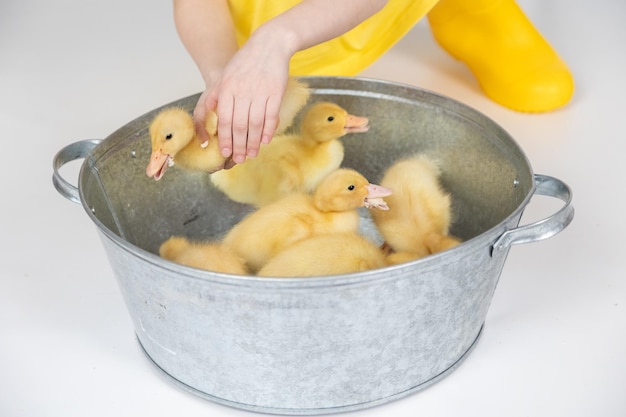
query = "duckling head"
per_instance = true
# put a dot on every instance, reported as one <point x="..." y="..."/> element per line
<point x="346" y="189"/>
<point x="170" y="131"/>
<point x="326" y="121"/>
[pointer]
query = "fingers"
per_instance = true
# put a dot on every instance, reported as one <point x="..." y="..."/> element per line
<point x="256" y="123"/>
<point x="224" y="125"/>
<point x="240" y="129"/>
<point x="271" y="119"/>
<point x="244" y="125"/>
<point x="200" y="115"/>
<point x="245" y="121"/>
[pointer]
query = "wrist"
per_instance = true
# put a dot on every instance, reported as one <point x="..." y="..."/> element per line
<point x="281" y="40"/>
<point x="211" y="76"/>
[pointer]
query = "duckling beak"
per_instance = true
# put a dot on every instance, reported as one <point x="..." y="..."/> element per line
<point x="374" y="198"/>
<point x="356" y="124"/>
<point x="159" y="162"/>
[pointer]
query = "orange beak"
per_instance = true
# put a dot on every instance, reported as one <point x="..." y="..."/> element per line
<point x="375" y="194"/>
<point x="356" y="124"/>
<point x="159" y="162"/>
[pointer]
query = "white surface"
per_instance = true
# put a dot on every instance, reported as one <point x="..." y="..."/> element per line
<point x="555" y="337"/>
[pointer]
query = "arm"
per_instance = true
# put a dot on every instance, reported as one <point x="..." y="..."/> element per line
<point x="315" y="21"/>
<point x="246" y="86"/>
<point x="206" y="29"/>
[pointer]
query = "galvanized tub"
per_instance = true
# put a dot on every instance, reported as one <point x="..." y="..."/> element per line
<point x="323" y="344"/>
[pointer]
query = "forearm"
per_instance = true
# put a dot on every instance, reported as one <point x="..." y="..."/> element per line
<point x="315" y="21"/>
<point x="206" y="29"/>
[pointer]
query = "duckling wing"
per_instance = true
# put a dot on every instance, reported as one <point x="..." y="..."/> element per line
<point x="267" y="231"/>
<point x="275" y="173"/>
<point x="328" y="254"/>
<point x="296" y="96"/>
<point x="202" y="255"/>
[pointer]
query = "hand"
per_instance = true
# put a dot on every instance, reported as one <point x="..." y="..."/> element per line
<point x="246" y="97"/>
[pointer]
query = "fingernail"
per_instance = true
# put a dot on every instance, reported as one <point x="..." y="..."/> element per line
<point x="225" y="152"/>
<point x="252" y="153"/>
<point x="239" y="159"/>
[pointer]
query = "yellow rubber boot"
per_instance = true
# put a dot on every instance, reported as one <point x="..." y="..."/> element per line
<point x="515" y="66"/>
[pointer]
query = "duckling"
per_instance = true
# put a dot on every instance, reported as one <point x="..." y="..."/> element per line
<point x="328" y="254"/>
<point x="202" y="255"/>
<point x="173" y="135"/>
<point x="434" y="244"/>
<point x="396" y="258"/>
<point x="294" y="162"/>
<point x="418" y="220"/>
<point x="332" y="208"/>
<point x="174" y="139"/>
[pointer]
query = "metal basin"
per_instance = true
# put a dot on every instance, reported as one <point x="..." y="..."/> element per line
<point x="322" y="344"/>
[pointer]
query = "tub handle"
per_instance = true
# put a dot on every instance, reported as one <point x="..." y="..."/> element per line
<point x="71" y="152"/>
<point x="548" y="227"/>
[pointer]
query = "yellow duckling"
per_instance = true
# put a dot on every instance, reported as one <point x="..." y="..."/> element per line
<point x="174" y="138"/>
<point x="332" y="208"/>
<point x="201" y="255"/>
<point x="293" y="162"/>
<point x="329" y="254"/>
<point x="418" y="220"/>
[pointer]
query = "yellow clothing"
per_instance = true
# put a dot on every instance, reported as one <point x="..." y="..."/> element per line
<point x="347" y="54"/>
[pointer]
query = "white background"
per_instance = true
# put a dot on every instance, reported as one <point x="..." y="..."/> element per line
<point x="555" y="338"/>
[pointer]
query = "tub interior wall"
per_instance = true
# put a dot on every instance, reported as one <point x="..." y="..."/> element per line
<point x="487" y="177"/>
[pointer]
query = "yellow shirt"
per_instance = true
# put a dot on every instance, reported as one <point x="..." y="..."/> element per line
<point x="347" y="54"/>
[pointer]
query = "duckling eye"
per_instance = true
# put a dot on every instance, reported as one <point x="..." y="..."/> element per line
<point x="169" y="136"/>
<point x="331" y="118"/>
<point x="351" y="187"/>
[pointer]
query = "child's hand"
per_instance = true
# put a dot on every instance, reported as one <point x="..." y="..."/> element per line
<point x="247" y="98"/>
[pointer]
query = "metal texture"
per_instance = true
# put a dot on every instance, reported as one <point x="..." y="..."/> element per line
<point x="322" y="344"/>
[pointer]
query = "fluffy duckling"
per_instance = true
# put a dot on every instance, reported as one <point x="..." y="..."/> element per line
<point x="209" y="256"/>
<point x="418" y="220"/>
<point x="293" y="162"/>
<point x="173" y="135"/>
<point x="330" y="254"/>
<point x="395" y="258"/>
<point x="332" y="208"/>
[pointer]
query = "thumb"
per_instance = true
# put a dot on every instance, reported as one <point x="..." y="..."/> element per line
<point x="200" y="117"/>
